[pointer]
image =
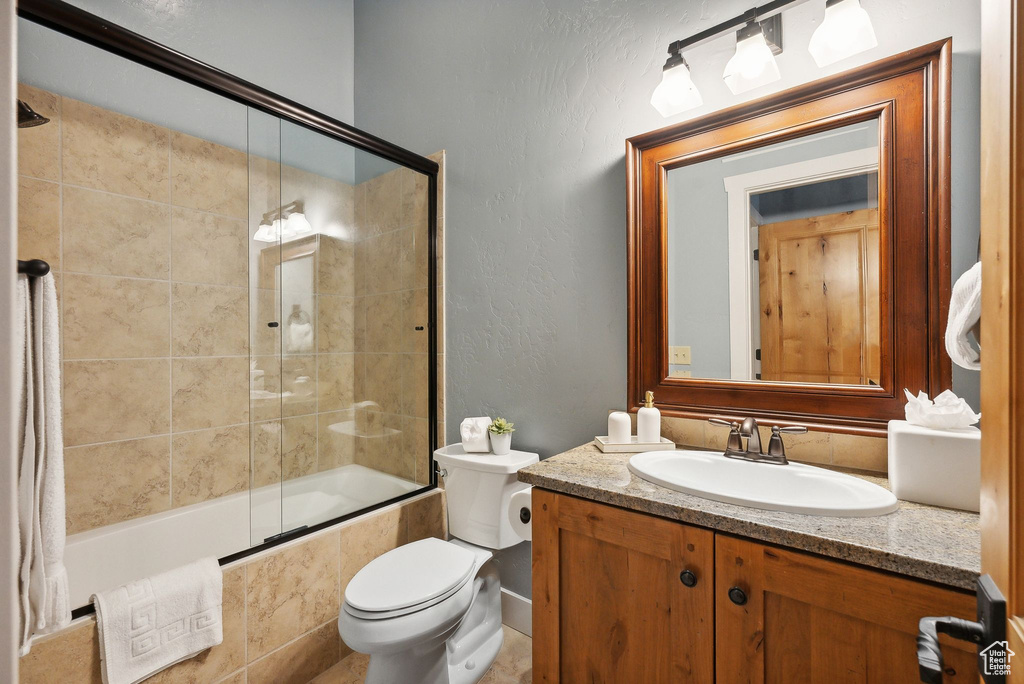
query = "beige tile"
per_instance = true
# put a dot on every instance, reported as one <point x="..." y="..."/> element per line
<point x="207" y="248"/>
<point x="300" y="661"/>
<point x="419" y="274"/>
<point x="109" y="234"/>
<point x="266" y="339"/>
<point x="810" y="447"/>
<point x="382" y="381"/>
<point x="416" y="321"/>
<point x="863" y="453"/>
<point x="426" y="517"/>
<point x="416" y="433"/>
<point x="514" y="664"/>
<point x="108" y="317"/>
<point x="209" y="320"/>
<point x="351" y="670"/>
<point x="266" y="453"/>
<point x="116" y="481"/>
<point x="223" y="659"/>
<point x="291" y="592"/>
<point x="39" y="221"/>
<point x="299" y="383"/>
<point x="207" y="464"/>
<point x="384" y="331"/>
<point x="299" y="436"/>
<point x="387" y="451"/>
<point x="335" y="449"/>
<point x="383" y="262"/>
<point x="105" y="150"/>
<point x="383" y="211"/>
<point x="208" y="176"/>
<point x="336" y="381"/>
<point x="209" y="392"/>
<point x="108" y="400"/>
<point x="39" y="146"/>
<point x="236" y="678"/>
<point x="72" y="655"/>
<point x="683" y="431"/>
<point x="265" y="400"/>
<point x="416" y="385"/>
<point x="336" y="324"/>
<point x="369" y="537"/>
<point x="335" y="267"/>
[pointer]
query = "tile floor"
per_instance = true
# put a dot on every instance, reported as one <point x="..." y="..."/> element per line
<point x="513" y="666"/>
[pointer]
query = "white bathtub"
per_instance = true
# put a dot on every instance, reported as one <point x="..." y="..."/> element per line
<point x="110" y="556"/>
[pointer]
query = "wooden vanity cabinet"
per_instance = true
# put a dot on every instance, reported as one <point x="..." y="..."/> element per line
<point x="610" y="604"/>
<point x="809" y="619"/>
<point x="609" y="599"/>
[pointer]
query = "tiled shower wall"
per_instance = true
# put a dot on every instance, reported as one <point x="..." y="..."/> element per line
<point x="280" y="608"/>
<point x="146" y="231"/>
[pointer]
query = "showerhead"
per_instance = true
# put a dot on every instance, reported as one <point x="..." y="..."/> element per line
<point x="28" y="117"/>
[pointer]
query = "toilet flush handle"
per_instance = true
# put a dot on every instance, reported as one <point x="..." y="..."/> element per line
<point x="439" y="470"/>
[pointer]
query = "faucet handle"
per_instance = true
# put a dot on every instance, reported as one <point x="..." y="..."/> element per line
<point x="776" y="448"/>
<point x="735" y="443"/>
<point x="789" y="430"/>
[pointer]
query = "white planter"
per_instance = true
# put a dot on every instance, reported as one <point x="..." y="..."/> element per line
<point x="501" y="444"/>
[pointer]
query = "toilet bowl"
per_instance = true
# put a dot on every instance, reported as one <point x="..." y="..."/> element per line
<point x="430" y="611"/>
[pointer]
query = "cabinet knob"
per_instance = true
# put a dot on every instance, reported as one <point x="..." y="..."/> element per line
<point x="688" y="578"/>
<point x="737" y="596"/>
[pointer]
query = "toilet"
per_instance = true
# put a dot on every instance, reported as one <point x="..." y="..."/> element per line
<point x="430" y="611"/>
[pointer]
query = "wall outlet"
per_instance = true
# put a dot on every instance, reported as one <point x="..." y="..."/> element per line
<point x="680" y="374"/>
<point x="679" y="356"/>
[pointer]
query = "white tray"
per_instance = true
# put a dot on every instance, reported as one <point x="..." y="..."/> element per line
<point x="634" y="447"/>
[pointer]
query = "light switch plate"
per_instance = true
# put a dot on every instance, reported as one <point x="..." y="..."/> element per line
<point x="679" y="356"/>
<point x="680" y="374"/>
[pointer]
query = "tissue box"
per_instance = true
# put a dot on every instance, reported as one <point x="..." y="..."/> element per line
<point x="937" y="467"/>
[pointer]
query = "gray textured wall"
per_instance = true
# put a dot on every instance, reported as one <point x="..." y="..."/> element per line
<point x="533" y="100"/>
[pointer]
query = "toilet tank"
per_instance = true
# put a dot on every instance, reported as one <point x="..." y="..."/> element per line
<point x="478" y="488"/>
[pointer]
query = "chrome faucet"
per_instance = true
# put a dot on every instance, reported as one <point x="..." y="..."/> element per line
<point x="748" y="430"/>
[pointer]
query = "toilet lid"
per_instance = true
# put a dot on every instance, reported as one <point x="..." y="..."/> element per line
<point x="410" y="575"/>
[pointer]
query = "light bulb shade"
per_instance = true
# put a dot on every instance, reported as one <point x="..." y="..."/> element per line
<point x="845" y="31"/>
<point x="298" y="224"/>
<point x="265" y="233"/>
<point x="753" y="65"/>
<point x="676" y="92"/>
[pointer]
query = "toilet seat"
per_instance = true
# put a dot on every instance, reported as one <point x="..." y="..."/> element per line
<point x="408" y="579"/>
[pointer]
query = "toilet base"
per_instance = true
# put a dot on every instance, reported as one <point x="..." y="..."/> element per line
<point x="462" y="658"/>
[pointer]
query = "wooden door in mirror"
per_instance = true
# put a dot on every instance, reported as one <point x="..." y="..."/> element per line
<point x="789" y="258"/>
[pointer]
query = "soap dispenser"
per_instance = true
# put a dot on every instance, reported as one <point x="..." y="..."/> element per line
<point x="648" y="422"/>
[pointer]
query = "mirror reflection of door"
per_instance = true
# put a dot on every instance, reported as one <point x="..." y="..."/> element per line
<point x="818" y="298"/>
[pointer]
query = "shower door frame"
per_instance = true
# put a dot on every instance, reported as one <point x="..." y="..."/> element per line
<point x="98" y="32"/>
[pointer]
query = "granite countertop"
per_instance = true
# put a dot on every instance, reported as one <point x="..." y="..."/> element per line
<point x="937" y="544"/>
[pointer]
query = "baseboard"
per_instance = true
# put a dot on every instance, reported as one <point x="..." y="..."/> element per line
<point x="517" y="612"/>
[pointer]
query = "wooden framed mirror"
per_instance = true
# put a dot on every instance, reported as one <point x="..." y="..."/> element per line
<point x="789" y="258"/>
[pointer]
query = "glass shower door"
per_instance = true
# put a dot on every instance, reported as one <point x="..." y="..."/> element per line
<point x="266" y="389"/>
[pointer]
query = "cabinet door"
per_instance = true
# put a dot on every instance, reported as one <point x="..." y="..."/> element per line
<point x="609" y="599"/>
<point x="807" y="619"/>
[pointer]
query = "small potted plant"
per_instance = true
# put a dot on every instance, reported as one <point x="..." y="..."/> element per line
<point x="501" y="436"/>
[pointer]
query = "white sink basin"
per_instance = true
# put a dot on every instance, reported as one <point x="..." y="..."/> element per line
<point x="794" y="488"/>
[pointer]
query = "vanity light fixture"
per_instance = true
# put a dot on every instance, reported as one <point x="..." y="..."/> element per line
<point x="758" y="39"/>
<point x="676" y="92"/>
<point x="846" y="31"/>
<point x="285" y="223"/>
<point x="753" y="65"/>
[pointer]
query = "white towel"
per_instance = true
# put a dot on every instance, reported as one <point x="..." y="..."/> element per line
<point x="964" y="314"/>
<point x="148" y="625"/>
<point x="42" y="579"/>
